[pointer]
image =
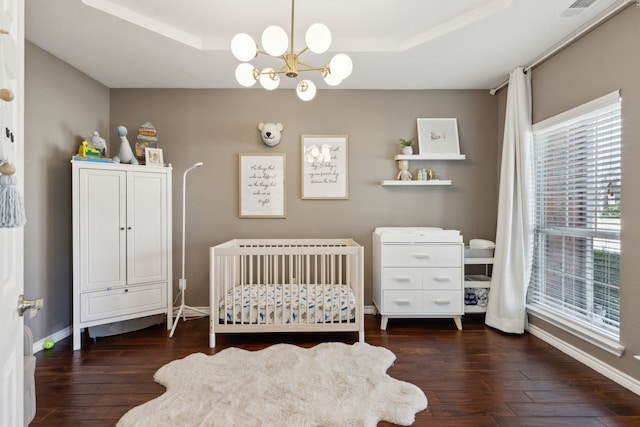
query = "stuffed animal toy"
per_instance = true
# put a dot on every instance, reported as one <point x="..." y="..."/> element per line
<point x="404" y="174"/>
<point x="271" y="133"/>
<point x="125" y="155"/>
<point x="99" y="143"/>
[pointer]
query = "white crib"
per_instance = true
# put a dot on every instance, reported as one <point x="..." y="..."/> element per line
<point x="286" y="285"/>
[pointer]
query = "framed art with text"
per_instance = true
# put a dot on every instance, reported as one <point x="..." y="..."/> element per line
<point x="262" y="186"/>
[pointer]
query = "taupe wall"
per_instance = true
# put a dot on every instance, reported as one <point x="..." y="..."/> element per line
<point x="213" y="126"/>
<point x="605" y="60"/>
<point x="62" y="106"/>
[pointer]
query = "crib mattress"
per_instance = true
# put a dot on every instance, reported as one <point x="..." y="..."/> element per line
<point x="288" y="304"/>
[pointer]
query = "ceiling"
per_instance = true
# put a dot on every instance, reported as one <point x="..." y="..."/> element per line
<point x="394" y="44"/>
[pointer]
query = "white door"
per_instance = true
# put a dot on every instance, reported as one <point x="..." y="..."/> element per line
<point x="11" y="239"/>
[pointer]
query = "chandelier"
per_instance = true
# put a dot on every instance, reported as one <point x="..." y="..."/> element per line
<point x="276" y="44"/>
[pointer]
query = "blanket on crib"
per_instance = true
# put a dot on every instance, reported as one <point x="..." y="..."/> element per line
<point x="288" y="303"/>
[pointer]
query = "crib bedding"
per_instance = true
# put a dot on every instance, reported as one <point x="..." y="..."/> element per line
<point x="288" y="303"/>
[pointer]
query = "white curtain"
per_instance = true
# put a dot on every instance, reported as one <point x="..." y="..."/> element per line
<point x="514" y="244"/>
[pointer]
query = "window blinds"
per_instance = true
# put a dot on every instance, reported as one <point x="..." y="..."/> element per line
<point x="576" y="263"/>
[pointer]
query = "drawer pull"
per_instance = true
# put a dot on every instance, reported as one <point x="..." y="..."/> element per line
<point x="442" y="301"/>
<point x="442" y="278"/>
<point x="403" y="301"/>
<point x="402" y="279"/>
<point x="422" y="256"/>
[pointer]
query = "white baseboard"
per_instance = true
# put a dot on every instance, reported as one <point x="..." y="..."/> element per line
<point x="56" y="336"/>
<point x="608" y="371"/>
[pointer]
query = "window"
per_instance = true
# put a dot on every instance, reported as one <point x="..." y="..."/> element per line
<point x="576" y="259"/>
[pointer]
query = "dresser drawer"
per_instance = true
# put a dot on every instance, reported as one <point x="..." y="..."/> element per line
<point x="402" y="278"/>
<point x="442" y="302"/>
<point x="442" y="278"/>
<point x="122" y="301"/>
<point x="421" y="255"/>
<point x="402" y="302"/>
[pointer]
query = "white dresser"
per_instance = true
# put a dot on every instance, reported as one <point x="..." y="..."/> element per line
<point x="418" y="272"/>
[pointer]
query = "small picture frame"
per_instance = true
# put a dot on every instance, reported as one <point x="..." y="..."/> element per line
<point x="153" y="156"/>
<point x="438" y="136"/>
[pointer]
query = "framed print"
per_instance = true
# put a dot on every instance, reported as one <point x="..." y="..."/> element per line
<point x="153" y="156"/>
<point x="262" y="186"/>
<point x="438" y="136"/>
<point x="324" y="166"/>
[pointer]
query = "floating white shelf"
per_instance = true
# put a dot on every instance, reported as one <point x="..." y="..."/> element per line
<point x="429" y="157"/>
<point x="419" y="183"/>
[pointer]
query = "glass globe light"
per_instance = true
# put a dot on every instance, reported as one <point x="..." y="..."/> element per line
<point x="332" y="79"/>
<point x="269" y="79"/>
<point x="341" y="65"/>
<point x="244" y="74"/>
<point x="318" y="38"/>
<point x="274" y="40"/>
<point x="243" y="47"/>
<point x="306" y="90"/>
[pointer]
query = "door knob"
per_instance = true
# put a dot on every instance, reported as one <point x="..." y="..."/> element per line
<point x="32" y="305"/>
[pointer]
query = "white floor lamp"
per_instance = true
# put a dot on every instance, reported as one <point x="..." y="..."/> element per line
<point x="182" y="282"/>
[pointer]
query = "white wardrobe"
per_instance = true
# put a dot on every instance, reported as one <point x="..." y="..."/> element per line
<point x="121" y="243"/>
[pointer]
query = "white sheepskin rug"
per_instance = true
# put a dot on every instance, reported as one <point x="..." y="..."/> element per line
<point x="331" y="384"/>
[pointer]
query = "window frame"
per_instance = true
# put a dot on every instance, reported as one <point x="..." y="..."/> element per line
<point x="584" y="231"/>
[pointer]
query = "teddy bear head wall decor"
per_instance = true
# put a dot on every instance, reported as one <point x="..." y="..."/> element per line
<point x="271" y="133"/>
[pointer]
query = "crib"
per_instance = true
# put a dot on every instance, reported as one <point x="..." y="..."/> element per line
<point x="286" y="285"/>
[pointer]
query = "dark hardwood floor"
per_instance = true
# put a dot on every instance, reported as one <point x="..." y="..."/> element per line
<point x="475" y="377"/>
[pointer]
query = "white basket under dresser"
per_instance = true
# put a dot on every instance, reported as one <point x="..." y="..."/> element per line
<point x="418" y="272"/>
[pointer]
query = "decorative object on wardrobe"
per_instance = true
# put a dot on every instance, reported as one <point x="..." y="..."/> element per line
<point x="182" y="282"/>
<point x="121" y="216"/>
<point x="325" y="171"/>
<point x="153" y="156"/>
<point x="97" y="142"/>
<point x="147" y="137"/>
<point x="262" y="186"/>
<point x="125" y="154"/>
<point x="277" y="45"/>
<point x="438" y="136"/>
